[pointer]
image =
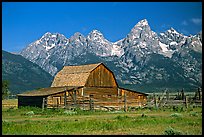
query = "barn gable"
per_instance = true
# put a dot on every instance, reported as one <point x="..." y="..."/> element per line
<point x="97" y="75"/>
<point x="101" y="76"/>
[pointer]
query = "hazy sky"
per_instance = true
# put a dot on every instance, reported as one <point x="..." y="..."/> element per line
<point x="25" y="22"/>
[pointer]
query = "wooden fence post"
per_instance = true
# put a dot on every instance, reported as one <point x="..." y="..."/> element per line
<point x="199" y="97"/>
<point x="167" y="95"/>
<point x="65" y="99"/>
<point x="155" y="100"/>
<point x="118" y="99"/>
<point x="75" y="98"/>
<point x="186" y="101"/>
<point x="83" y="103"/>
<point x="43" y="104"/>
<point x="182" y="95"/>
<point x="125" y="103"/>
<point x="91" y="103"/>
<point x="57" y="102"/>
<point x="178" y="97"/>
<point x="83" y="98"/>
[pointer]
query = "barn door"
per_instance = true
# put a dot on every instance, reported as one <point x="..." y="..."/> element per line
<point x="56" y="101"/>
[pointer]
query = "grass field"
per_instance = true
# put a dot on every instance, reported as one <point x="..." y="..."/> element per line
<point x="142" y="121"/>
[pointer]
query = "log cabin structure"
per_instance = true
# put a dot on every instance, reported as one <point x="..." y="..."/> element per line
<point x="91" y="86"/>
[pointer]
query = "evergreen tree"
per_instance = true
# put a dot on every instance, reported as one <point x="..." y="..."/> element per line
<point x="5" y="89"/>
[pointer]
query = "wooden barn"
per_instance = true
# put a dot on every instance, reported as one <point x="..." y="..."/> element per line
<point x="90" y="86"/>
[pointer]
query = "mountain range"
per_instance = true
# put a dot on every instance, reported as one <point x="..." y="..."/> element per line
<point x="143" y="60"/>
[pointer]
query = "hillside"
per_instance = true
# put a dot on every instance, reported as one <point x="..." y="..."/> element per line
<point x="22" y="74"/>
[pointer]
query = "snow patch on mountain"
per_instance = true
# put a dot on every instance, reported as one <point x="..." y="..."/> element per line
<point x="165" y="50"/>
<point x="117" y="50"/>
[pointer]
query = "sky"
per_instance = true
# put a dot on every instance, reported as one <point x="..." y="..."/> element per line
<point x="26" y="22"/>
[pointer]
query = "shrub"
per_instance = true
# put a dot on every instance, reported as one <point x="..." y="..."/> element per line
<point x="70" y="112"/>
<point x="30" y="113"/>
<point x="122" y="117"/>
<point x="178" y="108"/>
<point x="172" y="131"/>
<point x="176" y="115"/>
<point x="195" y="114"/>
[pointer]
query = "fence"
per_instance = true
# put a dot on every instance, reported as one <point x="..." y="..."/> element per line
<point x="175" y="99"/>
<point x="154" y="100"/>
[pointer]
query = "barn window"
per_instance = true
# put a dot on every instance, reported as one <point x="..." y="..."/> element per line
<point x="91" y="96"/>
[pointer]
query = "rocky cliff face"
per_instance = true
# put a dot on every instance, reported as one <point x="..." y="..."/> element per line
<point x="141" y="58"/>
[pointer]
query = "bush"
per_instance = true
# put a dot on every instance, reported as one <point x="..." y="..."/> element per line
<point x="176" y="115"/>
<point x="178" y="108"/>
<point x="70" y="112"/>
<point x="195" y="114"/>
<point x="122" y="117"/>
<point x="172" y="131"/>
<point x="30" y="113"/>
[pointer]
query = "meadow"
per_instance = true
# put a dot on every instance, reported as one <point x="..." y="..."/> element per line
<point x="177" y="120"/>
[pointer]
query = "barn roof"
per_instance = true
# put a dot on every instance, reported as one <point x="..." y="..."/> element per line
<point x="134" y="91"/>
<point x="46" y="91"/>
<point x="73" y="75"/>
<point x="80" y="69"/>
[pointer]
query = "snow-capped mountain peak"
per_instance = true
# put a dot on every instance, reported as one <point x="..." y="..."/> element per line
<point x="78" y="34"/>
<point x="98" y="44"/>
<point x="172" y="30"/>
<point x="47" y="34"/>
<point x="95" y="34"/>
<point x="141" y="23"/>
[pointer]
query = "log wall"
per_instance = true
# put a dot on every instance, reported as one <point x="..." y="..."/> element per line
<point x="101" y="77"/>
<point x="88" y="98"/>
<point x="134" y="99"/>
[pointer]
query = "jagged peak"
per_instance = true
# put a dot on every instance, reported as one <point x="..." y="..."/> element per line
<point x="95" y="33"/>
<point x="46" y="34"/>
<point x="140" y="25"/>
<point x="78" y="34"/>
<point x="55" y="34"/>
<point x="172" y="30"/>
<point x="143" y="22"/>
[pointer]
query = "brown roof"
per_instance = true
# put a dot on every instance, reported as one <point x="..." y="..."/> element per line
<point x="73" y="75"/>
<point x="80" y="69"/>
<point x="46" y="91"/>
<point x="134" y="91"/>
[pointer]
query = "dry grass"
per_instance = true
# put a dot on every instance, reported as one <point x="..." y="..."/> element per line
<point x="7" y="103"/>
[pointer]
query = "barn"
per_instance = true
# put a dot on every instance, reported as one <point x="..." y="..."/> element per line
<point x="91" y="86"/>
